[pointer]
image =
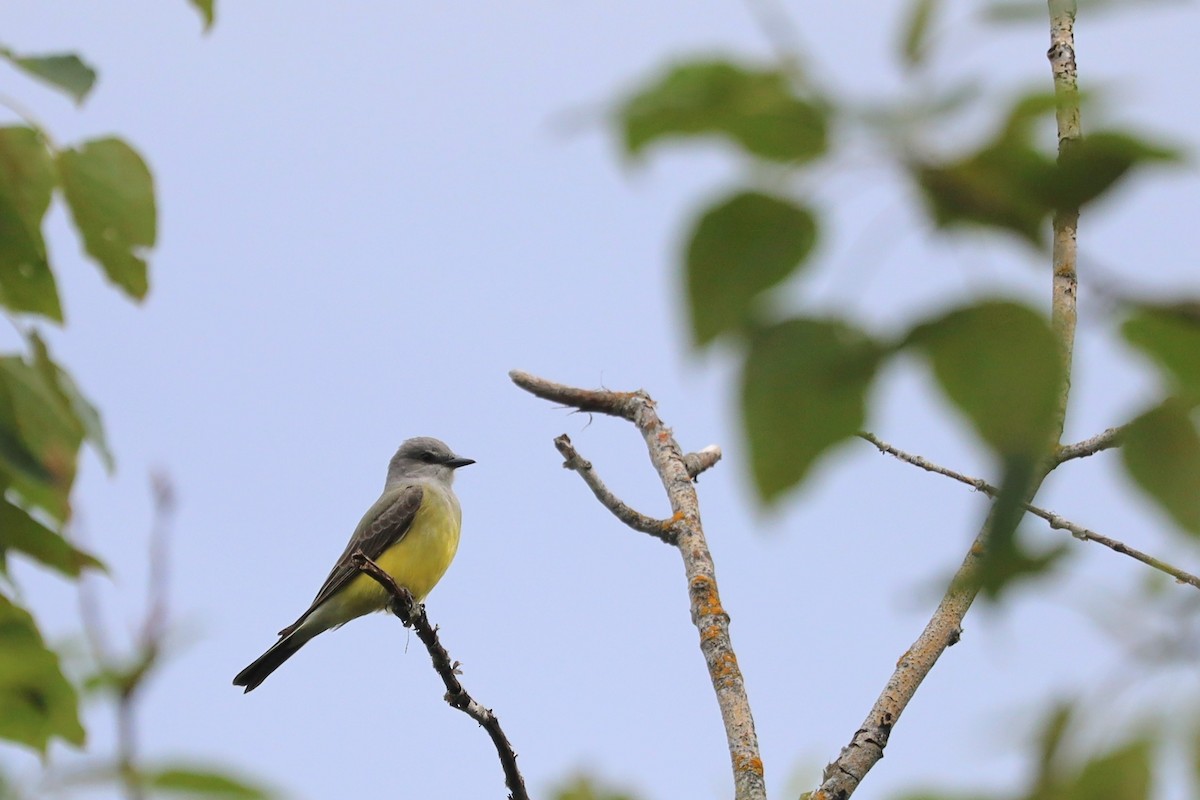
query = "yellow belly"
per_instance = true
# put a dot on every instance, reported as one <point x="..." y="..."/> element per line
<point x="417" y="562"/>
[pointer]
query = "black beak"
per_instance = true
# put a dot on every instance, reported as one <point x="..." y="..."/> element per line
<point x="459" y="461"/>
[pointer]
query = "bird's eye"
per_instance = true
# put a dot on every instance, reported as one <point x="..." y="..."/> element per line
<point x="428" y="457"/>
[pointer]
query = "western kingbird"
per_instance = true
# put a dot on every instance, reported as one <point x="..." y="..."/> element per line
<point x="411" y="532"/>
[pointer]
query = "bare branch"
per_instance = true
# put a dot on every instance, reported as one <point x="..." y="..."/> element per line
<point x="845" y="773"/>
<point x="925" y="464"/>
<point x="600" y="401"/>
<point x="659" y="529"/>
<point x="708" y="615"/>
<point x="702" y="460"/>
<point x="412" y="614"/>
<point x="866" y="747"/>
<point x="1064" y="252"/>
<point x="1089" y="447"/>
<point x="1079" y="532"/>
<point x="1057" y="522"/>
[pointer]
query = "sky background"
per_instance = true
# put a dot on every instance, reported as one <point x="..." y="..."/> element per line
<point x="371" y="211"/>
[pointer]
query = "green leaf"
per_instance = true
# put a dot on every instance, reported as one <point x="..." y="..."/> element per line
<point x="1121" y="775"/>
<point x="46" y="427"/>
<point x="26" y="183"/>
<point x="739" y="248"/>
<point x="1010" y="11"/>
<point x="1161" y="450"/>
<point x="86" y="414"/>
<point x="1004" y="185"/>
<point x="584" y="788"/>
<point x="200" y="782"/>
<point x="915" y="41"/>
<point x="755" y="109"/>
<point x="1005" y="561"/>
<point x="24" y="534"/>
<point x="36" y="701"/>
<point x="1093" y="164"/>
<point x="804" y="389"/>
<point x="111" y="195"/>
<point x="1050" y="745"/>
<point x="999" y="363"/>
<point x="205" y="7"/>
<point x="65" y="71"/>
<point x="1171" y="336"/>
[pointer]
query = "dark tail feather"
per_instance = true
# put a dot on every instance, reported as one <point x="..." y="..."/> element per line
<point x="268" y="662"/>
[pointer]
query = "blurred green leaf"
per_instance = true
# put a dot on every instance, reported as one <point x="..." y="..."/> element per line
<point x="1123" y="774"/>
<point x="1009" y="183"/>
<point x="45" y="425"/>
<point x="111" y="196"/>
<point x="755" y="109"/>
<point x="1008" y="11"/>
<point x="22" y="533"/>
<point x="1005" y="561"/>
<point x="200" y="782"/>
<point x="17" y="462"/>
<point x="1161" y="450"/>
<point x="207" y="11"/>
<point x="999" y="363"/>
<point x="1004" y="185"/>
<point x="36" y="701"/>
<point x="1091" y="165"/>
<point x="87" y="415"/>
<point x="1171" y="336"/>
<point x="804" y="389"/>
<point x="65" y="71"/>
<point x="1050" y="746"/>
<point x="1020" y="126"/>
<point x="915" y="41"/>
<point x="584" y="788"/>
<point x="26" y="183"/>
<point x="739" y="248"/>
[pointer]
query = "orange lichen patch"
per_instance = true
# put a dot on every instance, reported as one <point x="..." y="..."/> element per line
<point x="704" y="592"/>
<point x="752" y="764"/>
<point x="709" y="632"/>
<point x="725" y="671"/>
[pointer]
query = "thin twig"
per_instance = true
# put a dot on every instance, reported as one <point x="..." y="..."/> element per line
<point x="413" y="616"/>
<point x="128" y="679"/>
<point x="1089" y="447"/>
<point x="866" y="747"/>
<point x="708" y="615"/>
<point x="154" y="626"/>
<point x="925" y="464"/>
<point x="1055" y="521"/>
<point x="658" y="528"/>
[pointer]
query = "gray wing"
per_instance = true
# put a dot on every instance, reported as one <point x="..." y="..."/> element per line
<point x="390" y="518"/>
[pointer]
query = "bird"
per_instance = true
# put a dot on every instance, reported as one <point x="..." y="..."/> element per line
<point x="411" y="532"/>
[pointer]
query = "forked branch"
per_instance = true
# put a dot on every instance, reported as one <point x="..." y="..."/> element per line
<point x="846" y="772"/>
<point x="1054" y="520"/>
<point x="683" y="529"/>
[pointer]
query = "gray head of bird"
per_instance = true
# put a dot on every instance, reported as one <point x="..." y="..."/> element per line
<point x="425" y="458"/>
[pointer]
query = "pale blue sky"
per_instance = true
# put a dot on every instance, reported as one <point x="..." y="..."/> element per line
<point x="370" y="212"/>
